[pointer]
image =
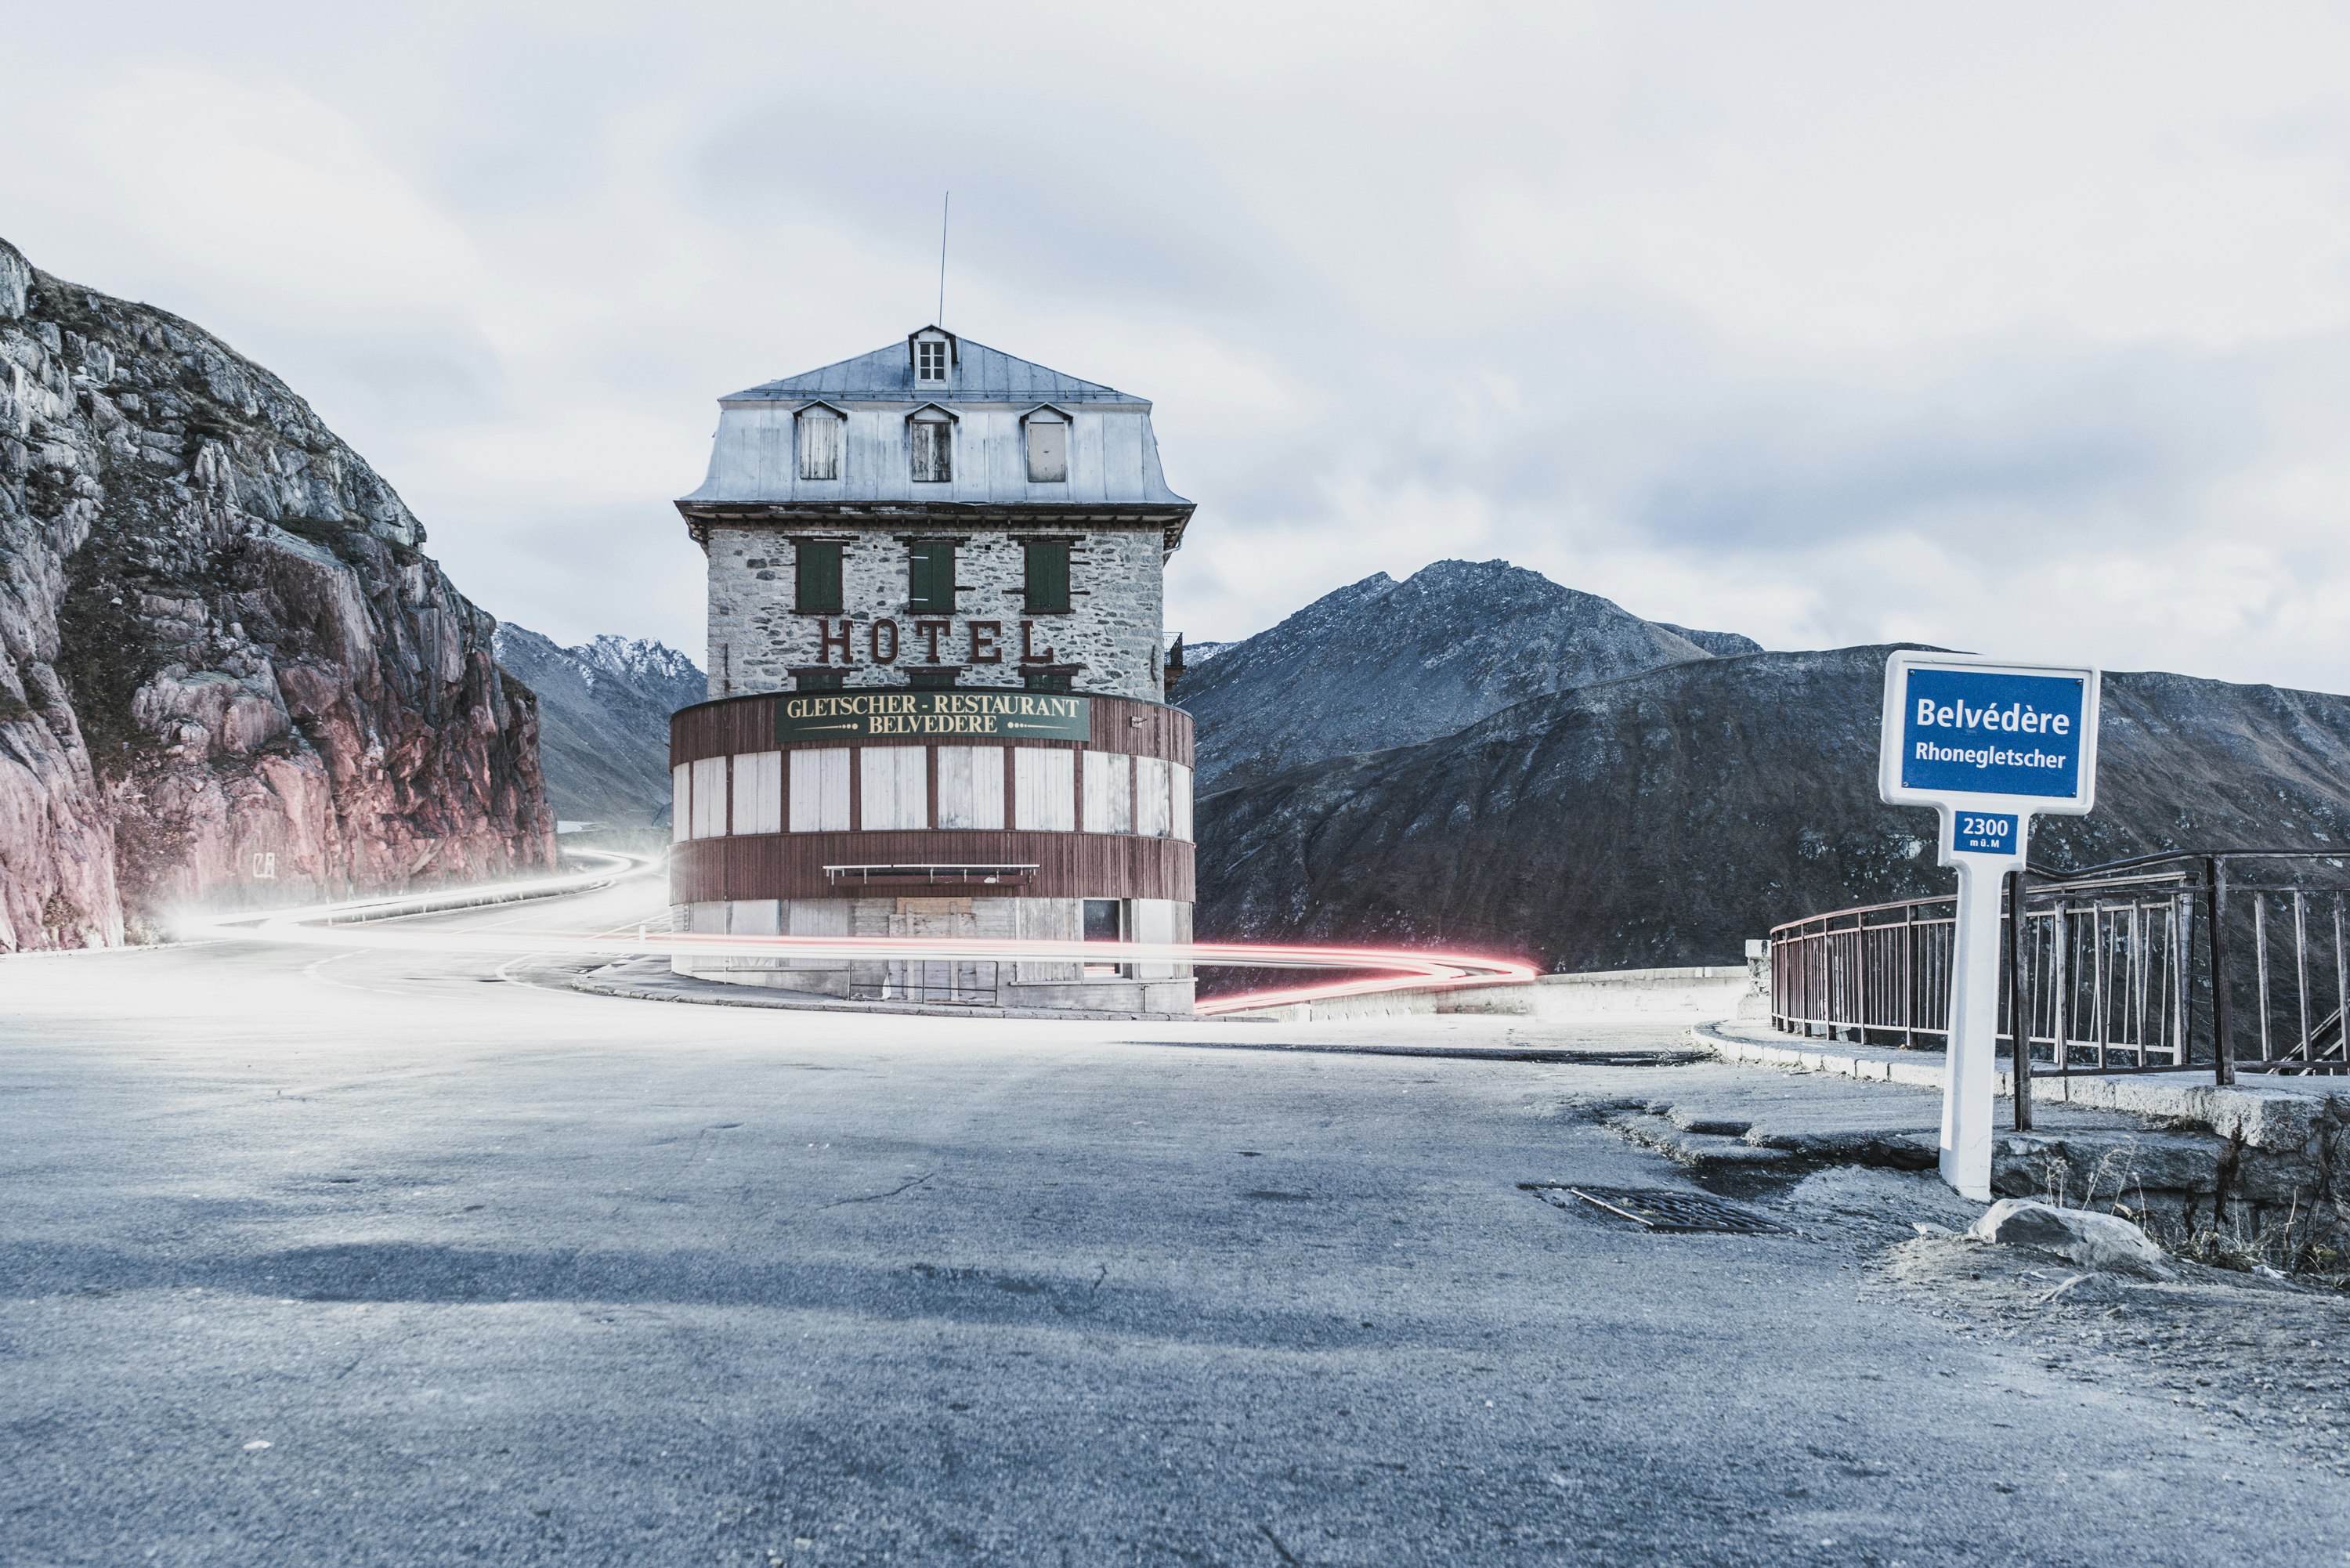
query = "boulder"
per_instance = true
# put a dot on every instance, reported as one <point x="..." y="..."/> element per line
<point x="2090" y="1240"/>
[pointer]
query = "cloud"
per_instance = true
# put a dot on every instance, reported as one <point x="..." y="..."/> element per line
<point x="2008" y="327"/>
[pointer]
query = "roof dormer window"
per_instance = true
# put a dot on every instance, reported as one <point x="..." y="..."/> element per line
<point x="929" y="442"/>
<point x="820" y="441"/>
<point x="934" y="356"/>
<point x="1047" y="433"/>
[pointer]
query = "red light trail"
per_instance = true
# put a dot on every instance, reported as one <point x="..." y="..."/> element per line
<point x="363" y="924"/>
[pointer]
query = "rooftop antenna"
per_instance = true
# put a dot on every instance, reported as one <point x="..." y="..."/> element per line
<point x="945" y="207"/>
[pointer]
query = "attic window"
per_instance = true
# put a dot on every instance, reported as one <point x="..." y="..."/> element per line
<point x="1048" y="448"/>
<point x="931" y="361"/>
<point x="819" y="430"/>
<point x="931" y="436"/>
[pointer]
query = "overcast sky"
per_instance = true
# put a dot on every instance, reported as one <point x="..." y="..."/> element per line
<point x="2021" y="328"/>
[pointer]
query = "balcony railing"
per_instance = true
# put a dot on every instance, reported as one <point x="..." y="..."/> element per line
<point x="2118" y="966"/>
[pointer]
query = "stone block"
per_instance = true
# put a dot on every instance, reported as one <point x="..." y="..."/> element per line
<point x="2276" y="1119"/>
<point x="2090" y="1240"/>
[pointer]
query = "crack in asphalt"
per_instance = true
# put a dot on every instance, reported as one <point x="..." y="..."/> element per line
<point x="876" y="1197"/>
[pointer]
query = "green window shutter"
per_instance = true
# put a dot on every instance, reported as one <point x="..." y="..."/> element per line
<point x="929" y="576"/>
<point x="1047" y="582"/>
<point x="816" y="578"/>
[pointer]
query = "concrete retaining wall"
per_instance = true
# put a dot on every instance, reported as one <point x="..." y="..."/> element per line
<point x="1606" y="996"/>
<point x="2269" y="1152"/>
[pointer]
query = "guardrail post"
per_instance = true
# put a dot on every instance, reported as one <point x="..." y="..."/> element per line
<point x="2223" y="1061"/>
<point x="2019" y="997"/>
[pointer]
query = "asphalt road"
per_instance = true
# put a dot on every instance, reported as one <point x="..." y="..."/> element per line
<point x="356" y="1259"/>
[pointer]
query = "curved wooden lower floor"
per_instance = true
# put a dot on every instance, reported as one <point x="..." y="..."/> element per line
<point x="861" y="865"/>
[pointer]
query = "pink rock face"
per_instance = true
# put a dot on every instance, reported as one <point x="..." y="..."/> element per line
<point x="228" y="674"/>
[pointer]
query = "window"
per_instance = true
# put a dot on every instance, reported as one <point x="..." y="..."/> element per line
<point x="1104" y="922"/>
<point x="932" y="433"/>
<point x="680" y="797"/>
<point x="816" y="576"/>
<point x="1045" y="679"/>
<point x="759" y="792"/>
<point x="817" y="680"/>
<point x="1150" y="801"/>
<point x="931" y="576"/>
<point x="1046" y="579"/>
<point x="1044" y="789"/>
<point x="1109" y="793"/>
<point x="819" y="434"/>
<point x="1179" y="789"/>
<point x="895" y="791"/>
<point x="820" y="791"/>
<point x="1048" y="448"/>
<point x="931" y="361"/>
<point x="937" y="680"/>
<point x="970" y="787"/>
<point x="710" y="798"/>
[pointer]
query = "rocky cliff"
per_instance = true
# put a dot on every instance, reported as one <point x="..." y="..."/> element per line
<point x="1381" y="663"/>
<point x="1663" y="817"/>
<point x="228" y="672"/>
<point x="603" y="714"/>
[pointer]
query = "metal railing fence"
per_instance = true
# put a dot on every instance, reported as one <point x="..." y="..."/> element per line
<point x="2117" y="965"/>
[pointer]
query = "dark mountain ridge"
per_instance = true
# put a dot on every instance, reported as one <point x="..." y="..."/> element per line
<point x="1663" y="817"/>
<point x="1380" y="663"/>
<point x="603" y="716"/>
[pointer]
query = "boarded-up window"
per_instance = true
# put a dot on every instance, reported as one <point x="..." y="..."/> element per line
<point x="1109" y="792"/>
<point x="1179" y="789"/>
<point x="819" y="430"/>
<point x="710" y="798"/>
<point x="816" y="576"/>
<point x="759" y="792"/>
<point x="1045" y="582"/>
<point x="1152" y="815"/>
<point x="931" y="576"/>
<point x="931" y="434"/>
<point x="1044" y="789"/>
<point x="820" y="791"/>
<point x="1048" y="448"/>
<point x="894" y="790"/>
<point x="970" y="787"/>
<point x="681" y="802"/>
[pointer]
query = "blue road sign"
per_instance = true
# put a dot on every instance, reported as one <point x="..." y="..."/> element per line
<point x="1969" y="731"/>
<point x="1985" y="832"/>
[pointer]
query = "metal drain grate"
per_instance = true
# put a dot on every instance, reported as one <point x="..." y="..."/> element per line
<point x="1661" y="1208"/>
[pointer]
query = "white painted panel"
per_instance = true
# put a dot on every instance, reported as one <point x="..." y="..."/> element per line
<point x="1109" y="792"/>
<point x="820" y="791"/>
<point x="1122" y="454"/>
<point x="710" y="798"/>
<point x="1151" y="797"/>
<point x="1085" y="482"/>
<point x="970" y="787"/>
<point x="1179" y="780"/>
<point x="758" y="792"/>
<point x="894" y="790"/>
<point x="681" y="802"/>
<point x="1043" y="790"/>
<point x="753" y="917"/>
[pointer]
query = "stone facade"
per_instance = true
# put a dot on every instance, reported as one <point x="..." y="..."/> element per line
<point x="1111" y="632"/>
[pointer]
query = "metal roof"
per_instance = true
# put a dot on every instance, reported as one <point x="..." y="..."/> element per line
<point x="980" y="374"/>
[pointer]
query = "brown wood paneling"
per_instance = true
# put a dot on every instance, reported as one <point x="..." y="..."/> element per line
<point x="1068" y="864"/>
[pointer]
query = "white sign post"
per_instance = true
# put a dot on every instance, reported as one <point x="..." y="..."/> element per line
<point x="1987" y="744"/>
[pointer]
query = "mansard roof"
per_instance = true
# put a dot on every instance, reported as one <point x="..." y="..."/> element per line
<point x="980" y="374"/>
